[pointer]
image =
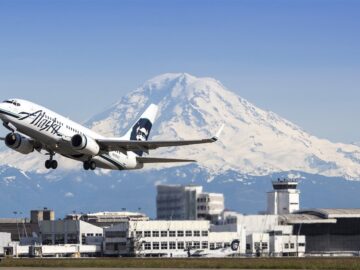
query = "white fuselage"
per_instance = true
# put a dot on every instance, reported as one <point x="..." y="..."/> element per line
<point x="54" y="133"/>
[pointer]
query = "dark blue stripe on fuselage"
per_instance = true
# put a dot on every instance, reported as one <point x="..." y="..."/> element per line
<point x="9" y="113"/>
<point x="112" y="161"/>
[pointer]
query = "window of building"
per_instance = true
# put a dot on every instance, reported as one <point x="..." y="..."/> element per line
<point x="188" y="233"/>
<point x="205" y="245"/>
<point x="197" y="233"/>
<point x="156" y="245"/>
<point x="114" y="234"/>
<point x="219" y="245"/>
<point x="155" y="233"/>
<point x="180" y="245"/>
<point x="286" y="245"/>
<point x="292" y="245"/>
<point x="188" y="245"/>
<point x="172" y="233"/>
<point x="147" y="234"/>
<point x="226" y="245"/>
<point x="110" y="246"/>
<point x="212" y="246"/>
<point x="83" y="238"/>
<point x="147" y="246"/>
<point x="164" y="245"/>
<point x="301" y="244"/>
<point x="264" y="245"/>
<point x="59" y="239"/>
<point x="163" y="233"/>
<point x="180" y="233"/>
<point x="248" y="246"/>
<point x="172" y="245"/>
<point x="196" y="245"/>
<point x="204" y="233"/>
<point x="121" y="245"/>
<point x="72" y="238"/>
<point x="138" y="234"/>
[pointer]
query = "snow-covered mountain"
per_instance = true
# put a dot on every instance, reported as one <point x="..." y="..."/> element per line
<point x="255" y="147"/>
<point x="254" y="142"/>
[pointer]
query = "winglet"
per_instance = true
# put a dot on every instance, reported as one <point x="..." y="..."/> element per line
<point x="216" y="137"/>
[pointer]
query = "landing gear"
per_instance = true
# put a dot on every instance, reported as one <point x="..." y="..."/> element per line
<point x="50" y="163"/>
<point x="89" y="165"/>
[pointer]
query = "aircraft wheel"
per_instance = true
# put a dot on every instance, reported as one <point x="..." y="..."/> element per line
<point x="54" y="164"/>
<point x="48" y="164"/>
<point x="86" y="165"/>
<point x="92" y="165"/>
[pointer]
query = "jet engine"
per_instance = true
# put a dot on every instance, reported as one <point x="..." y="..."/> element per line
<point x="19" y="143"/>
<point x="84" y="145"/>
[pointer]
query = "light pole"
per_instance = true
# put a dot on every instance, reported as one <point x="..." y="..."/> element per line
<point x="17" y="224"/>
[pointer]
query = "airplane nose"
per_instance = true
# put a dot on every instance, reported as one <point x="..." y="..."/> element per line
<point x="2" y="110"/>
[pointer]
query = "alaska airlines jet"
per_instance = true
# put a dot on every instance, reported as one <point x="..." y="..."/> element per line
<point x="34" y="127"/>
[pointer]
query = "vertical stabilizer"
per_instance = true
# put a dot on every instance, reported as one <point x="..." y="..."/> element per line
<point x="140" y="131"/>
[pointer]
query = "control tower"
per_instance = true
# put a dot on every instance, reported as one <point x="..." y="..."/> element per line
<point x="284" y="198"/>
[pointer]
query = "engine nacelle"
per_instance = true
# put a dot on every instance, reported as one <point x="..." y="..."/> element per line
<point x="19" y="143"/>
<point x="84" y="145"/>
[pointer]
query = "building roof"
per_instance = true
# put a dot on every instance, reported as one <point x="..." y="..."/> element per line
<point x="14" y="220"/>
<point x="329" y="213"/>
<point x="304" y="219"/>
<point x="116" y="214"/>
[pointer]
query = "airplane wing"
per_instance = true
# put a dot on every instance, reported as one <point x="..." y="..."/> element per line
<point x="2" y="139"/>
<point x="161" y="160"/>
<point x="127" y="145"/>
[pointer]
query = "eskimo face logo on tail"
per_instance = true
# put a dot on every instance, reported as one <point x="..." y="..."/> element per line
<point x="141" y="130"/>
<point x="235" y="245"/>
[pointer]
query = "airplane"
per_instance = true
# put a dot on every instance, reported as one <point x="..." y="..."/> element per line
<point x="34" y="127"/>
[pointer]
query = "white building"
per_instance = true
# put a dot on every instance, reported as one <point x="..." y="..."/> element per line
<point x="258" y="244"/>
<point x="59" y="232"/>
<point x="5" y="239"/>
<point x="177" y="202"/>
<point x="170" y="238"/>
<point x="106" y="219"/>
<point x="265" y="234"/>
<point x="209" y="205"/>
<point x="287" y="245"/>
<point x="284" y="198"/>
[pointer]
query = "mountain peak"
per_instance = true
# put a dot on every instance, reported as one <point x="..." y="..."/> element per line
<point x="178" y="84"/>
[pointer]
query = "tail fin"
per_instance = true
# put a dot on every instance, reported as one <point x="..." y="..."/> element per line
<point x="140" y="131"/>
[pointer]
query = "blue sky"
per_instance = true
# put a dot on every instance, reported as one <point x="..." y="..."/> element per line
<point x="300" y="59"/>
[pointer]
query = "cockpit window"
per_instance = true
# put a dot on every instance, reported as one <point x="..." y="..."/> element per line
<point x="12" y="102"/>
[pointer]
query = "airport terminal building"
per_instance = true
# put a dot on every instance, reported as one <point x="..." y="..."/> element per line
<point x="190" y="223"/>
<point x="171" y="238"/>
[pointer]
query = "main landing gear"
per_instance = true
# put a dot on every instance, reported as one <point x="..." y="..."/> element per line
<point x="89" y="165"/>
<point x="50" y="163"/>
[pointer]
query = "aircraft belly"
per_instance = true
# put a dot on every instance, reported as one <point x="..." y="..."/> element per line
<point x="104" y="164"/>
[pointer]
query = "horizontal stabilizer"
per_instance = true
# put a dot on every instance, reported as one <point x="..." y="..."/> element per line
<point x="161" y="160"/>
